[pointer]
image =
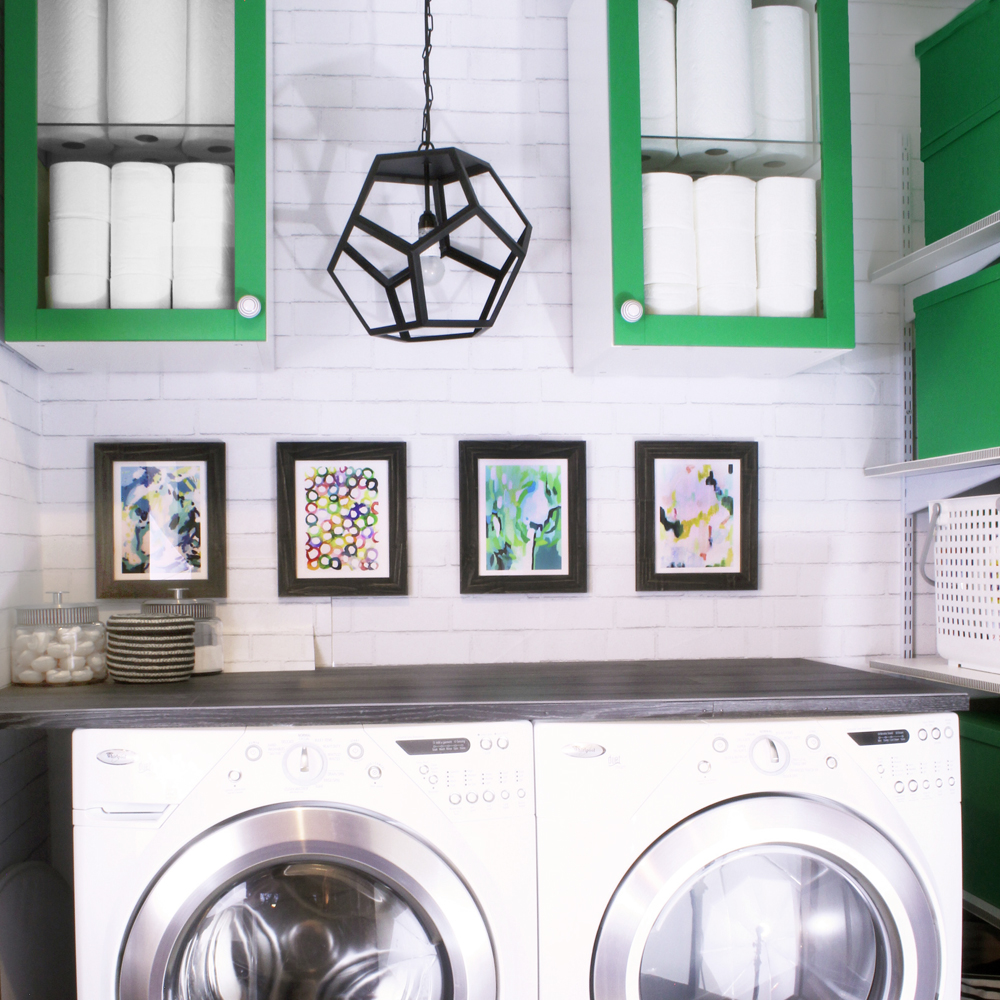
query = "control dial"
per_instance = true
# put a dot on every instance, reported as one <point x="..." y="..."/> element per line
<point x="769" y="755"/>
<point x="305" y="763"/>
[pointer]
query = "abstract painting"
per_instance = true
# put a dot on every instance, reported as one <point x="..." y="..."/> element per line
<point x="696" y="515"/>
<point x="160" y="520"/>
<point x="341" y="518"/>
<point x="522" y="516"/>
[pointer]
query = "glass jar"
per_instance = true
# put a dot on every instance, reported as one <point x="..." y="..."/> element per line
<point x="57" y="644"/>
<point x="208" y="656"/>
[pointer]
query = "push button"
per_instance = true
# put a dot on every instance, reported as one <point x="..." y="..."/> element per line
<point x="502" y="743"/>
<point x="355" y="751"/>
<point x="521" y="793"/>
<point x="454" y="798"/>
<point x="948" y="732"/>
<point x="831" y="762"/>
<point x="921" y="734"/>
<point x="485" y="743"/>
<point x="235" y="776"/>
<point x="254" y="752"/>
<point x="472" y="797"/>
<point x="912" y="785"/>
<point x="899" y="786"/>
<point x="505" y="794"/>
<point x="936" y="733"/>
<point x="375" y="771"/>
<point x="487" y="796"/>
<point x="704" y="766"/>
<point x="812" y="741"/>
<point x="720" y="744"/>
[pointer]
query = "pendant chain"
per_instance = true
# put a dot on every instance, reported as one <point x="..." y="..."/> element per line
<point x="425" y="134"/>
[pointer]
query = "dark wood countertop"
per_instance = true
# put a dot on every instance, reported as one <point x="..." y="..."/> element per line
<point x="468" y="692"/>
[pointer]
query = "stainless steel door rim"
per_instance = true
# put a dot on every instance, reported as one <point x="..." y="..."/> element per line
<point x="678" y="856"/>
<point x="370" y="844"/>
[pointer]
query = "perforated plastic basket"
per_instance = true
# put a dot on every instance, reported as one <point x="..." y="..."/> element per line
<point x="967" y="582"/>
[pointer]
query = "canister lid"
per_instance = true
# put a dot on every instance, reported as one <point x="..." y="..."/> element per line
<point x="181" y="604"/>
<point x="57" y="613"/>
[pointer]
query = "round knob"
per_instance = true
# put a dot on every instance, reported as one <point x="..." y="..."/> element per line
<point x="248" y="306"/>
<point x="632" y="310"/>
<point x="769" y="755"/>
<point x="305" y="763"/>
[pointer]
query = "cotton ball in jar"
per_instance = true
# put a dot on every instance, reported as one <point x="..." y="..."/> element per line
<point x="59" y="649"/>
<point x="84" y="648"/>
<point x="69" y="634"/>
<point x="58" y="677"/>
<point x="72" y="662"/>
<point x="30" y="677"/>
<point x="43" y="664"/>
<point x="38" y="641"/>
<point x="82" y="676"/>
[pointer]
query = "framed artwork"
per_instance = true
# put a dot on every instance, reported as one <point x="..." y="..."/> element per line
<point x="160" y="518"/>
<point x="341" y="518"/>
<point x="696" y="515"/>
<point x="523" y="516"/>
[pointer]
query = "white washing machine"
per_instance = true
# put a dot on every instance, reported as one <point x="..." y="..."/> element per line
<point x="375" y="863"/>
<point x="780" y="859"/>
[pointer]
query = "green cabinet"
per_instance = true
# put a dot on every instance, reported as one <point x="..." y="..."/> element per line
<point x="980" y="732"/>
<point x="27" y="320"/>
<point x="607" y="153"/>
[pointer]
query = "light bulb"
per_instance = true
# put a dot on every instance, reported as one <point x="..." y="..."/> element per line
<point x="431" y="264"/>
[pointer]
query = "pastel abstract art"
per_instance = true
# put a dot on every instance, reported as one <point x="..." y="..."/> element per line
<point x="522" y="517"/>
<point x="697" y="515"/>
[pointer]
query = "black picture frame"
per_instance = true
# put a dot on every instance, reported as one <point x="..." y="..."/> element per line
<point x="646" y="575"/>
<point x="290" y="583"/>
<point x="473" y="581"/>
<point x="107" y="510"/>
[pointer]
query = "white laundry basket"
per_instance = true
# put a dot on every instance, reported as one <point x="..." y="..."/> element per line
<point x="967" y="580"/>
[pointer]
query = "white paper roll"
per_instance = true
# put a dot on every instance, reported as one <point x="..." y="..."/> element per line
<point x="147" y="71"/>
<point x="76" y="291"/>
<point x="714" y="79"/>
<point x="671" y="300"/>
<point x="210" y="79"/>
<point x="79" y="246"/>
<point x="80" y="190"/>
<point x="203" y="191"/>
<point x="141" y="246"/>
<point x="203" y="233"/>
<point x="785" y="300"/>
<point x="782" y="73"/>
<point x="71" y="47"/>
<point x="140" y="291"/>
<point x="727" y="300"/>
<point x="142" y="191"/>
<point x="657" y="72"/>
<point x="786" y="258"/>
<point x="203" y="293"/>
<point x="667" y="200"/>
<point x="726" y="203"/>
<point x="197" y="262"/>
<point x="786" y="204"/>
<point x="669" y="255"/>
<point x="726" y="257"/>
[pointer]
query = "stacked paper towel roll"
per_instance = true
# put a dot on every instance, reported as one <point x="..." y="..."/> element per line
<point x="71" y="83"/>
<point x="657" y="72"/>
<point x="147" y="71"/>
<point x="668" y="242"/>
<point x="786" y="246"/>
<point x="203" y="236"/>
<point x="724" y="219"/>
<point x="141" y="235"/>
<point x="210" y="79"/>
<point x="79" y="214"/>
<point x="714" y="80"/>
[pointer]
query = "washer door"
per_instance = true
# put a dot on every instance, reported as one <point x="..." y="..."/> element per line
<point x="769" y="898"/>
<point x="308" y="902"/>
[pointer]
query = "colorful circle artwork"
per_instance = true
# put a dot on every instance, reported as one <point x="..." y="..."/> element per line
<point x="341" y="518"/>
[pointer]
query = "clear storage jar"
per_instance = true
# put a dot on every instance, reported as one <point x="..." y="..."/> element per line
<point x="57" y="644"/>
<point x="208" y="656"/>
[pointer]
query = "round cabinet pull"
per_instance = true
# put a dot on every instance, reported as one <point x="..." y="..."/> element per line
<point x="248" y="306"/>
<point x="632" y="310"/>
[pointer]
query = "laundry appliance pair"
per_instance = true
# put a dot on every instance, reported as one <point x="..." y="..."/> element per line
<point x="798" y="859"/>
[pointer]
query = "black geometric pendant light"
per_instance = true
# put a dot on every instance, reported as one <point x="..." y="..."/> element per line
<point x="443" y="274"/>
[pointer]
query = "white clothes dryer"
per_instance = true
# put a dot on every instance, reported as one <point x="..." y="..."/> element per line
<point x="777" y="859"/>
<point x="374" y="863"/>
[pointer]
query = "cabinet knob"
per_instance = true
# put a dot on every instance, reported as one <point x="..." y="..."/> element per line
<point x="249" y="306"/>
<point x="632" y="310"/>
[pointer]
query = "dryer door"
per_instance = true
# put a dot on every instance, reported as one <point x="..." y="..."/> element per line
<point x="308" y="902"/>
<point x="769" y="898"/>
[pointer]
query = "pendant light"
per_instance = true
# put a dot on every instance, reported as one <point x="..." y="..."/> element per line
<point x="438" y="266"/>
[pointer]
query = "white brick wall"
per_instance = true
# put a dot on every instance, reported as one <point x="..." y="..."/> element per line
<point x="20" y="549"/>
<point x="830" y="539"/>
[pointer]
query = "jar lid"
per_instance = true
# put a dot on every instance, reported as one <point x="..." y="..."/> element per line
<point x="58" y="614"/>
<point x="191" y="609"/>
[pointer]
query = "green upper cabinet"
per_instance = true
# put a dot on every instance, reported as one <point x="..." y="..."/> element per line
<point x="609" y="155"/>
<point x="105" y="102"/>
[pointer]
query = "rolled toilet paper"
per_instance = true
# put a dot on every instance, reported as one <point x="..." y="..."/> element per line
<point x="664" y="299"/>
<point x="140" y="291"/>
<point x="727" y="300"/>
<point x="726" y="257"/>
<point x="203" y="292"/>
<point x="786" y="204"/>
<point x="203" y="191"/>
<point x="76" y="291"/>
<point x="785" y="300"/>
<point x="203" y="233"/>
<point x="211" y="105"/>
<point x="79" y="246"/>
<point x="80" y="190"/>
<point x="714" y="81"/>
<point x="142" y="191"/>
<point x="782" y="73"/>
<point x="667" y="200"/>
<point x="657" y="70"/>
<point x="141" y="246"/>
<point x="726" y="203"/>
<point x="147" y="71"/>
<point x="669" y="255"/>
<point x="786" y="258"/>
<point x="203" y="262"/>
<point x="71" y="74"/>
